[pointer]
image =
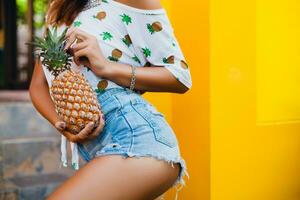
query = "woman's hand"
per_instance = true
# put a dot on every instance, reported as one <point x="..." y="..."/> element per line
<point x="88" y="133"/>
<point x="86" y="50"/>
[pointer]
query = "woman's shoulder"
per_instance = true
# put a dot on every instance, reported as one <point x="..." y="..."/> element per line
<point x="142" y="4"/>
<point x="146" y="7"/>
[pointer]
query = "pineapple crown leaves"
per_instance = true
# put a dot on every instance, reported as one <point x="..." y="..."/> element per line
<point x="150" y="28"/>
<point x="51" y="47"/>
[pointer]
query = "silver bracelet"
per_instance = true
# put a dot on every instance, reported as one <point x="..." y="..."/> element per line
<point x="132" y="83"/>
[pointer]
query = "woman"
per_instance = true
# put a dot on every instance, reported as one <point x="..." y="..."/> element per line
<point x="128" y="44"/>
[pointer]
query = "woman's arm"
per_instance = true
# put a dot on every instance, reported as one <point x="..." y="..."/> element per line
<point x="39" y="94"/>
<point x="153" y="78"/>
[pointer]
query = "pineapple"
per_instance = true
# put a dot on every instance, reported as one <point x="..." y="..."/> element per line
<point x="154" y="27"/>
<point x="183" y="64"/>
<point x="169" y="60"/>
<point x="116" y="54"/>
<point x="100" y="15"/>
<point x="127" y="40"/>
<point x="75" y="101"/>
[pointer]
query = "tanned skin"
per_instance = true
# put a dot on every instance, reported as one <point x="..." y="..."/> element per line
<point x="110" y="177"/>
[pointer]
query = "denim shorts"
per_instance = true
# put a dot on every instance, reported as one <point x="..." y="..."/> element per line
<point x="134" y="127"/>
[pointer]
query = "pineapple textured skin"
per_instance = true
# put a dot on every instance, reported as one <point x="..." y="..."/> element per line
<point x="75" y="101"/>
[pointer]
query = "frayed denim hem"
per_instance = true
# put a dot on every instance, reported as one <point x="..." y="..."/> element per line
<point x="183" y="171"/>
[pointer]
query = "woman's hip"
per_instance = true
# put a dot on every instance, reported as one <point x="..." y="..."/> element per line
<point x="132" y="124"/>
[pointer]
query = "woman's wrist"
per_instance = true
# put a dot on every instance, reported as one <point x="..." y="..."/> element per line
<point x="108" y="70"/>
<point x="119" y="73"/>
<point x="54" y="120"/>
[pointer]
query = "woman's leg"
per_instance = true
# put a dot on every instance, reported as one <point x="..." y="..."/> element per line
<point x="112" y="177"/>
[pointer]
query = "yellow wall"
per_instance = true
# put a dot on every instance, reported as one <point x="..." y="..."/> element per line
<point x="191" y="110"/>
<point x="238" y="127"/>
<point x="278" y="60"/>
<point x="255" y="140"/>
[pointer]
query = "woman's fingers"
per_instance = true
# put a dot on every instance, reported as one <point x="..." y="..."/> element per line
<point x="79" y="46"/>
<point x="98" y="130"/>
<point x="73" y="34"/>
<point x="60" y="125"/>
<point x="81" y="52"/>
<point x="88" y="133"/>
<point x="71" y="137"/>
<point x="81" y="56"/>
<point x="84" y="133"/>
<point x="77" y="32"/>
<point x="70" y="41"/>
<point x="69" y="31"/>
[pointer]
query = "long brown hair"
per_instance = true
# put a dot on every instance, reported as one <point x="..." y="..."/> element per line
<point x="63" y="11"/>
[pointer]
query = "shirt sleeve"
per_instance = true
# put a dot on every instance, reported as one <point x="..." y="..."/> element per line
<point x="153" y="40"/>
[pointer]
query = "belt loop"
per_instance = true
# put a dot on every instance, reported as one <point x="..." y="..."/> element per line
<point x="128" y="91"/>
<point x="110" y="92"/>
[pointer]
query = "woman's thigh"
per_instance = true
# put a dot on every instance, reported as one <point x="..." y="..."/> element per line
<point x="113" y="177"/>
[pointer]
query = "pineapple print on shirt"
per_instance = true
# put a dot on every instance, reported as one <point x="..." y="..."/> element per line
<point x="183" y="64"/>
<point x="116" y="54"/>
<point x="100" y="15"/>
<point x="169" y="60"/>
<point x="136" y="59"/>
<point x="101" y="86"/>
<point x="154" y="27"/>
<point x="127" y="40"/>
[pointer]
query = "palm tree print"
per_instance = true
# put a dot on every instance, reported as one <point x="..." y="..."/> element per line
<point x="136" y="59"/>
<point x="106" y="36"/>
<point x="126" y="19"/>
<point x="77" y="23"/>
<point x="146" y="52"/>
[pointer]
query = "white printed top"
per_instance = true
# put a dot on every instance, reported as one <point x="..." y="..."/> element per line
<point x="132" y="36"/>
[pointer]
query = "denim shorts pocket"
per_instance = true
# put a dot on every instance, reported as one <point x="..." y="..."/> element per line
<point x="161" y="130"/>
<point x="154" y="111"/>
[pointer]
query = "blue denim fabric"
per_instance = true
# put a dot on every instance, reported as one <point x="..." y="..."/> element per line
<point x="133" y="127"/>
